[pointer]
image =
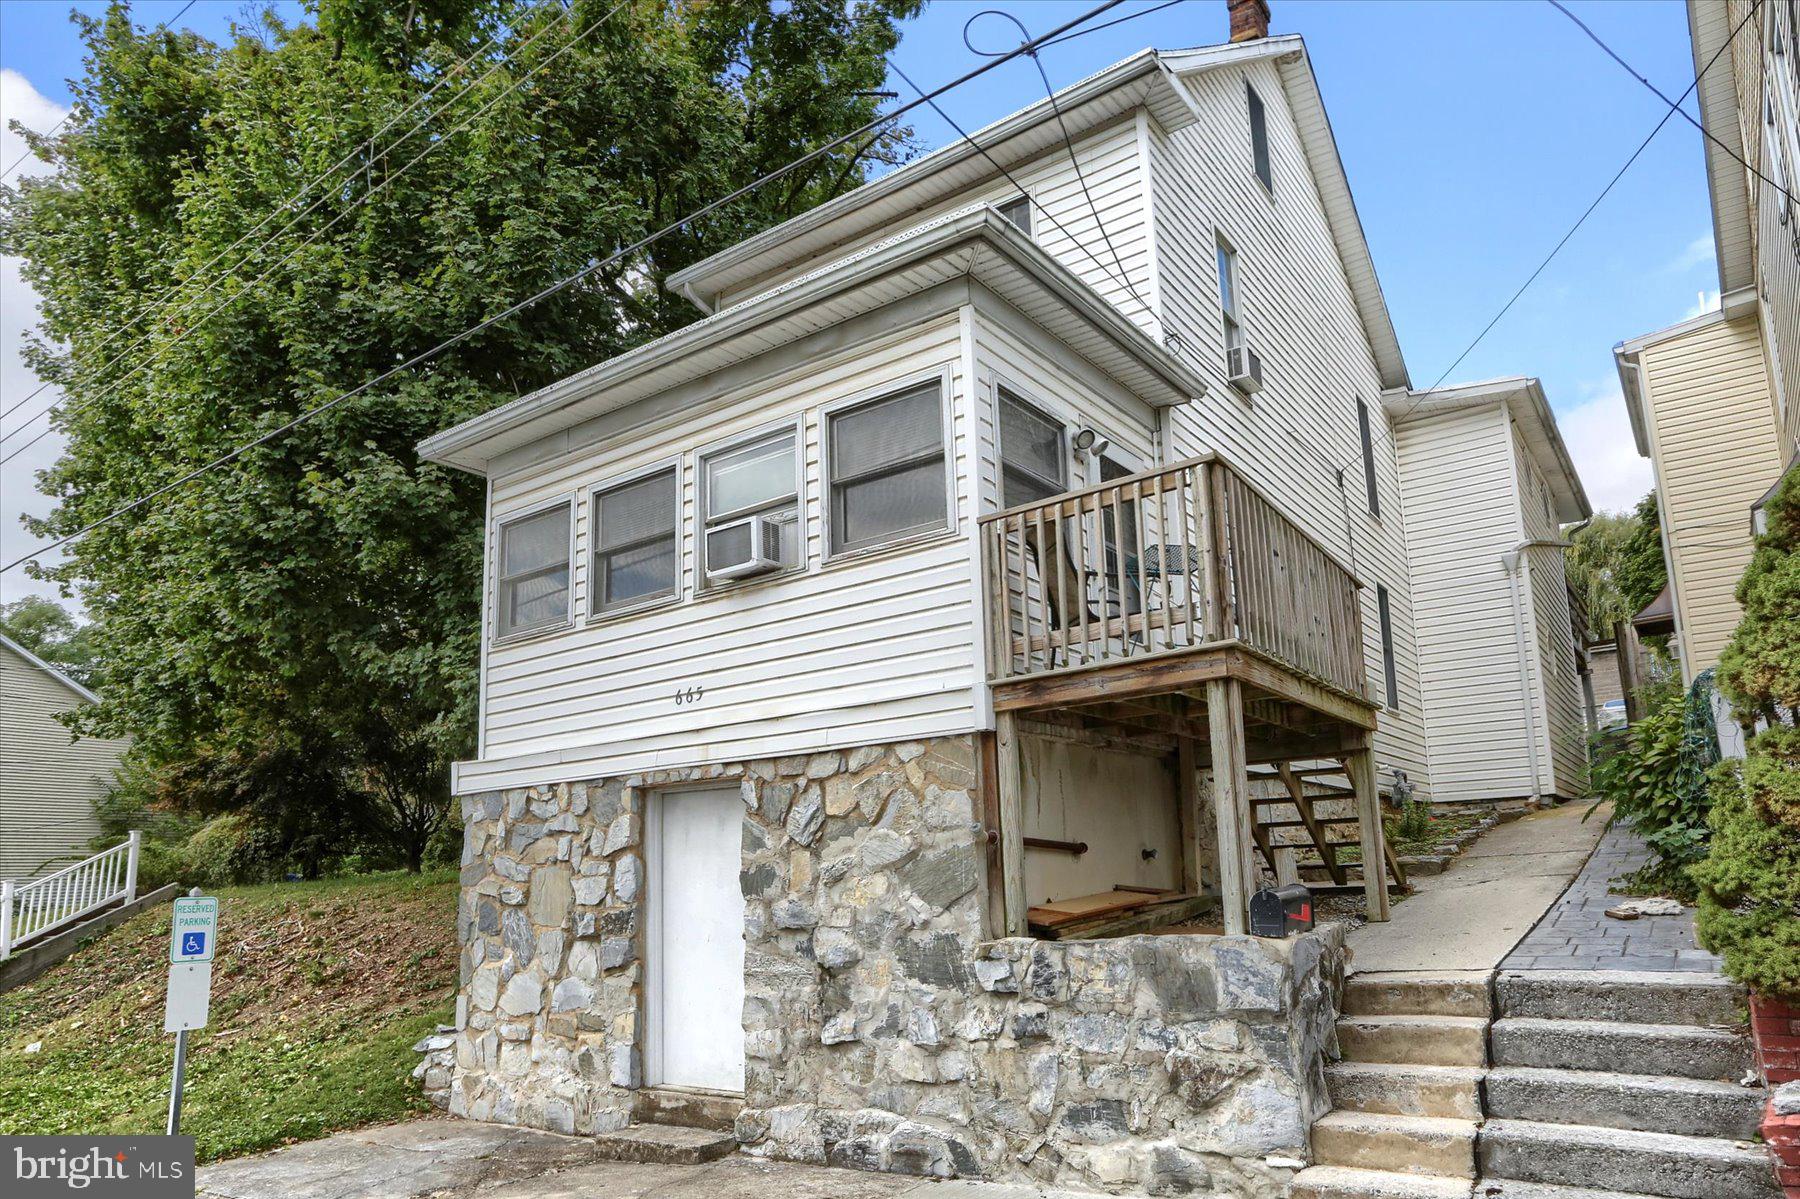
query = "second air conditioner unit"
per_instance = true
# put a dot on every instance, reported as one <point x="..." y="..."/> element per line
<point x="743" y="549"/>
<point x="1243" y="369"/>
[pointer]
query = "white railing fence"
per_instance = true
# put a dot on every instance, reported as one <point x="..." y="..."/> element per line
<point x="29" y="910"/>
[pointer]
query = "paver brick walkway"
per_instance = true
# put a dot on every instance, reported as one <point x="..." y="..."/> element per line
<point x="1577" y="934"/>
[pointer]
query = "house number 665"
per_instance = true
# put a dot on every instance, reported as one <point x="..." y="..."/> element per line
<point x="689" y="695"/>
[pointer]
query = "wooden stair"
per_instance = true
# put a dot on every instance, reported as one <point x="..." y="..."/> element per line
<point x="1306" y="787"/>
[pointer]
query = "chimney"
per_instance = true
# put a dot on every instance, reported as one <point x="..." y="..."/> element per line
<point x="1249" y="19"/>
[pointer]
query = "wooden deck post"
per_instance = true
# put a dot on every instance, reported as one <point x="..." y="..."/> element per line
<point x="1231" y="801"/>
<point x="1359" y="764"/>
<point x="1012" y="821"/>
<point x="1192" y="811"/>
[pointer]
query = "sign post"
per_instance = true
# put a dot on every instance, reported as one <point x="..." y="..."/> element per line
<point x="193" y="939"/>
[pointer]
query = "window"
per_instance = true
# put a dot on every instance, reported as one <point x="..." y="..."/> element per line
<point x="1228" y="296"/>
<point x="532" y="590"/>
<point x="1033" y="465"/>
<point x="1387" y="647"/>
<point x="754" y="478"/>
<point x="634" y="541"/>
<point x="1259" y="139"/>
<point x="1018" y="211"/>
<point x="1368" y="449"/>
<point x="888" y="469"/>
<point x="1775" y="157"/>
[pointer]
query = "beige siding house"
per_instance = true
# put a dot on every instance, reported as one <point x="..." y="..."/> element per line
<point x="1487" y="484"/>
<point x="49" y="778"/>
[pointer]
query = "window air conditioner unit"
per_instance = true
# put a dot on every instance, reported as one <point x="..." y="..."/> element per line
<point x="1244" y="369"/>
<point x="743" y="549"/>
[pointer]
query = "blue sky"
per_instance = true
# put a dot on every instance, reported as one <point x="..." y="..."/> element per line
<point x="1473" y="134"/>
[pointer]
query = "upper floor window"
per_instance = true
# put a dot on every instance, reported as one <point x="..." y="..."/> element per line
<point x="1368" y="453"/>
<point x="1259" y="139"/>
<point x="532" y="585"/>
<point x="634" y="541"/>
<point x="1018" y="211"/>
<point x="1228" y="296"/>
<point x="1389" y="675"/>
<point x="745" y="486"/>
<point x="1033" y="465"/>
<point x="887" y="466"/>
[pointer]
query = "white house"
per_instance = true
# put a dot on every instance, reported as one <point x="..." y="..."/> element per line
<point x="49" y="779"/>
<point x="1002" y="563"/>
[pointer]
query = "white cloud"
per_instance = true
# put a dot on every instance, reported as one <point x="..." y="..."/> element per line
<point x="1706" y="301"/>
<point x="21" y="102"/>
<point x="1696" y="252"/>
<point x="1598" y="433"/>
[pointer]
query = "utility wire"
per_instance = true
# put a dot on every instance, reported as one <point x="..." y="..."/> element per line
<point x="545" y="293"/>
<point x="326" y="228"/>
<point x="368" y="144"/>
<point x="1674" y="104"/>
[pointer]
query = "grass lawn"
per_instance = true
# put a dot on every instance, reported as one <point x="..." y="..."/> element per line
<point x="319" y="992"/>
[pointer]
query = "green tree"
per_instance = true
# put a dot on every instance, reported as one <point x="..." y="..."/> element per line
<point x="324" y="586"/>
<point x="1641" y="571"/>
<point x="46" y="628"/>
<point x="1593" y="564"/>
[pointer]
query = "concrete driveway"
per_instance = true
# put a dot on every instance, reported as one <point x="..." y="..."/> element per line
<point x="458" y="1159"/>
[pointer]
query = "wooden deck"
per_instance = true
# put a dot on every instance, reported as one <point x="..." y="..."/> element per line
<point x="1182" y="602"/>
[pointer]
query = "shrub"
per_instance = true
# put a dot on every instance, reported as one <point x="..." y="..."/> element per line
<point x="1750" y="881"/>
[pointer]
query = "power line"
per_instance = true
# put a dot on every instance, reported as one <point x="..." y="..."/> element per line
<point x="552" y="289"/>
<point x="386" y="181"/>
<point x="223" y="276"/>
<point x="1674" y="104"/>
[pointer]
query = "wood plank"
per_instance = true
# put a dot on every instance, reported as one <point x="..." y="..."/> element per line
<point x="1173" y="910"/>
<point x="1012" y="821"/>
<point x="1303" y="804"/>
<point x="988" y="780"/>
<point x="1360" y="765"/>
<point x="1231" y="806"/>
<point x="1192" y="819"/>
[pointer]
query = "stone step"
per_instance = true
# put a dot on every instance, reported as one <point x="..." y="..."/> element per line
<point x="1690" y="1107"/>
<point x="1680" y="1050"/>
<point x="1401" y="1090"/>
<point x="1401" y="1144"/>
<point x="1647" y="1163"/>
<point x="1513" y="1188"/>
<point x="1406" y="993"/>
<point x="1633" y="997"/>
<point x="687" y="1109"/>
<point x="1344" y="1182"/>
<point x="1414" y="1040"/>
<point x="664" y="1145"/>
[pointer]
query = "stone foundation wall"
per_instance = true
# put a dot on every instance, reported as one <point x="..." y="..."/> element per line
<point x="881" y="1031"/>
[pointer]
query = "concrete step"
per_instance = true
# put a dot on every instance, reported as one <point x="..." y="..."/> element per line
<point x="1406" y="993"/>
<point x="1646" y="1163"/>
<point x="664" y="1145"/>
<point x="1343" y="1182"/>
<point x="1512" y="1188"/>
<point x="1399" y="1090"/>
<point x="1689" y="1107"/>
<point x="1400" y="1144"/>
<point x="1680" y="1050"/>
<point x="1414" y="1040"/>
<point x="687" y="1109"/>
<point x="1634" y="997"/>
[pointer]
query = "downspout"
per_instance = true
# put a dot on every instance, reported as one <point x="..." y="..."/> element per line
<point x="1516" y="567"/>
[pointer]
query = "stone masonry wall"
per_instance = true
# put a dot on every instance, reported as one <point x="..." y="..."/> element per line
<point x="881" y="1031"/>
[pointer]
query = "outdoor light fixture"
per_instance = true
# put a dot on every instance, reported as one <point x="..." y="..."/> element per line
<point x="1091" y="443"/>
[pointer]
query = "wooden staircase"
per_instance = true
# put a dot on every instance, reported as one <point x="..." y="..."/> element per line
<point x="1288" y="843"/>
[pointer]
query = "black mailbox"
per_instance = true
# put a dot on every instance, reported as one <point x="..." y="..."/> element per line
<point x="1281" y="911"/>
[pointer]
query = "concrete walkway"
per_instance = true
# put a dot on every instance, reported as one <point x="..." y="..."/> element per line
<point x="458" y="1159"/>
<point x="1577" y="934"/>
<point x="1472" y="915"/>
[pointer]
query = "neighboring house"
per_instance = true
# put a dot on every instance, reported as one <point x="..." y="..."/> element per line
<point x="991" y="562"/>
<point x="49" y="778"/>
<point x="1488" y="484"/>
<point x="1713" y="400"/>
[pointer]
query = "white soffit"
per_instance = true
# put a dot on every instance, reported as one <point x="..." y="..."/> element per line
<point x="1709" y="25"/>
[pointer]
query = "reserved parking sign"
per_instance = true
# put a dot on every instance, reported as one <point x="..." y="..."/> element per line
<point x="195" y="931"/>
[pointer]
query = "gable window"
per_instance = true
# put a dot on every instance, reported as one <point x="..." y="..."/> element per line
<point x="1259" y="139"/>
<point x="532" y="585"/>
<point x="759" y="478"/>
<point x="1368" y="453"/>
<point x="1387" y="647"/>
<point x="1228" y="297"/>
<point x="634" y="541"/>
<point x="888" y="469"/>
<point x="1018" y="211"/>
<point x="1033" y="465"/>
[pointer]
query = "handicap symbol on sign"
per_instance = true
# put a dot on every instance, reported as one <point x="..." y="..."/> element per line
<point x="193" y="943"/>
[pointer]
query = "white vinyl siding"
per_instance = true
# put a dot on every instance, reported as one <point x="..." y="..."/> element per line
<point x="879" y="647"/>
<point x="1561" y="706"/>
<point x="1302" y="429"/>
<point x="49" y="780"/>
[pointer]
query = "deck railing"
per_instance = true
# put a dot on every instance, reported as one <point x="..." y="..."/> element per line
<point x="41" y="906"/>
<point x="1159" y="562"/>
